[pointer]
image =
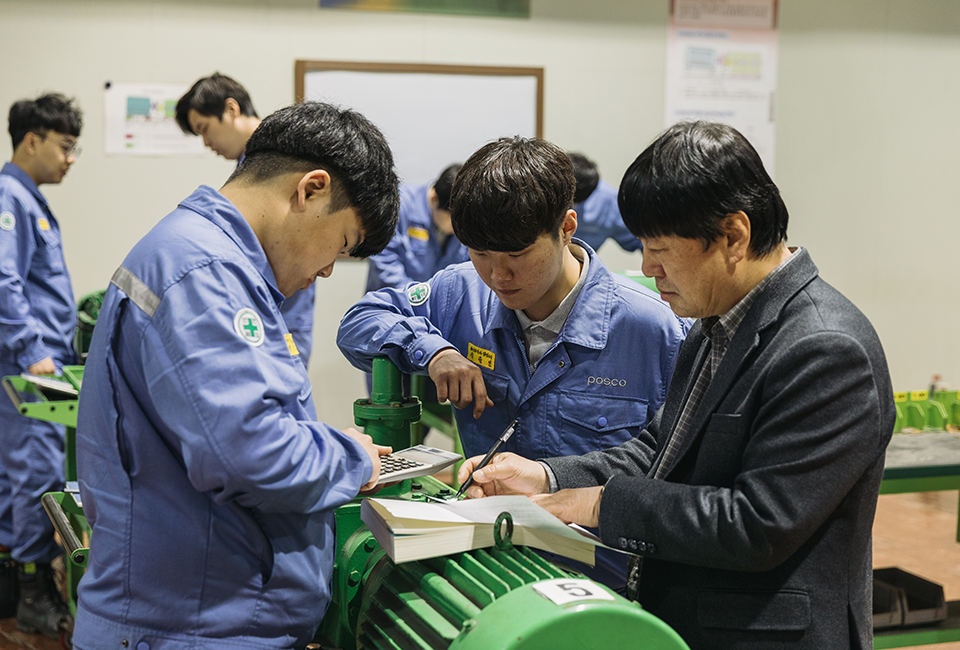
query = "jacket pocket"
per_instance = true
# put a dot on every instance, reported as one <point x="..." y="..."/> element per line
<point x="773" y="611"/>
<point x="498" y="387"/>
<point x="589" y="422"/>
<point x="50" y="255"/>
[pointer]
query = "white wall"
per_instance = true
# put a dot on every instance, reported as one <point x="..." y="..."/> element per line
<point x="865" y="143"/>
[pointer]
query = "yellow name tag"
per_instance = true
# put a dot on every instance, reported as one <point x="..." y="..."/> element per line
<point x="481" y="357"/>
<point x="43" y="223"/>
<point x="291" y="345"/>
<point x="418" y="233"/>
<point x="919" y="395"/>
<point x="900" y="397"/>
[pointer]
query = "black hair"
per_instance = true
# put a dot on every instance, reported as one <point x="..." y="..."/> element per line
<point x="208" y="96"/>
<point x="345" y="144"/>
<point x="49" y="112"/>
<point x="693" y="176"/>
<point x="587" y="175"/>
<point x="510" y="192"/>
<point x="444" y="185"/>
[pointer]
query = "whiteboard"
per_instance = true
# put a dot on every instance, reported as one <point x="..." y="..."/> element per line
<point x="432" y="115"/>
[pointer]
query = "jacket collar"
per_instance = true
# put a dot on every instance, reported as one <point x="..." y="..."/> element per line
<point x="763" y="314"/>
<point x="10" y="169"/>
<point x="216" y="208"/>
<point x="587" y="323"/>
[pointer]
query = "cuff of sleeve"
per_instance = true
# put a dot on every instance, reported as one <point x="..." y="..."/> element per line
<point x="424" y="348"/>
<point x="618" y="516"/>
<point x="550" y="477"/>
<point x="37" y="352"/>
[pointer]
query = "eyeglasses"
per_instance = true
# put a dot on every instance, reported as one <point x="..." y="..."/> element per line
<point x="66" y="146"/>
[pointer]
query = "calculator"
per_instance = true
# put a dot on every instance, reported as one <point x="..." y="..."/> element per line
<point x="413" y="462"/>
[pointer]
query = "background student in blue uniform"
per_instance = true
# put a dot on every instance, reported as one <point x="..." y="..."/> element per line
<point x="37" y="320"/>
<point x="535" y="327"/>
<point x="208" y="481"/>
<point x="424" y="242"/>
<point x="595" y="202"/>
<point x="219" y="109"/>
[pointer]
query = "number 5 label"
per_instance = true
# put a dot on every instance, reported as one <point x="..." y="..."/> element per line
<point x="568" y="590"/>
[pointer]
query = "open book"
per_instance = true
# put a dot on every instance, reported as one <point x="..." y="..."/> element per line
<point x="414" y="530"/>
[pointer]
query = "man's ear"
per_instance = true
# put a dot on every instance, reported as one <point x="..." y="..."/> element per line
<point x="30" y="143"/>
<point x="569" y="226"/>
<point x="312" y="186"/>
<point x="736" y="228"/>
<point x="231" y="109"/>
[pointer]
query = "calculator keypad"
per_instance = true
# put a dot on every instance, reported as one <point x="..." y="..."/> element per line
<point x="390" y="464"/>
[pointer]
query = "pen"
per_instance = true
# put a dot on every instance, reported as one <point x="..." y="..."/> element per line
<point x="486" y="459"/>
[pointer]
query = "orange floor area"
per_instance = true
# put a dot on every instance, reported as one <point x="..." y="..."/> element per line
<point x="918" y="533"/>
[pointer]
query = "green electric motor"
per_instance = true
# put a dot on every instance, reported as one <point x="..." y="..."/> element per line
<point x="505" y="598"/>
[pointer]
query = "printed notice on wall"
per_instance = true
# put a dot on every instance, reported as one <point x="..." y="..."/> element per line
<point x="722" y="67"/>
<point x="140" y="120"/>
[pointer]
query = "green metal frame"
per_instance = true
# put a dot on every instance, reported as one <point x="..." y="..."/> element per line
<point x="435" y="416"/>
<point x="59" y="412"/>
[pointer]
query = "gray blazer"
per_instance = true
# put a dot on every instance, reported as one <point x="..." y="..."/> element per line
<point x="760" y="535"/>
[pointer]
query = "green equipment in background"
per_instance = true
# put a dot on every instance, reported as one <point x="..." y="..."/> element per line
<point x="63" y="508"/>
<point x="87" y="311"/>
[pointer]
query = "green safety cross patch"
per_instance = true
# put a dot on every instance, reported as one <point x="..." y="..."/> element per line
<point x="418" y="293"/>
<point x="249" y="326"/>
<point x="7" y="221"/>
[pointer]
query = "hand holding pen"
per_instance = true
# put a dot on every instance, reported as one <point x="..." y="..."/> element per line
<point x="490" y="454"/>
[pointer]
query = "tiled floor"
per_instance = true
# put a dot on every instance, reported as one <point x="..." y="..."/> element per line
<point x="918" y="533"/>
<point x="12" y="639"/>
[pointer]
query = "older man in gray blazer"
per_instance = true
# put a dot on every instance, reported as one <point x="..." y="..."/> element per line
<point x="749" y="501"/>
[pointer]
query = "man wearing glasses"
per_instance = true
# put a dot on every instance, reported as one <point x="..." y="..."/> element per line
<point x="37" y="320"/>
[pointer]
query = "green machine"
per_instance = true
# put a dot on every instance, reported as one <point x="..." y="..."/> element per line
<point x="57" y="405"/>
<point x="506" y="597"/>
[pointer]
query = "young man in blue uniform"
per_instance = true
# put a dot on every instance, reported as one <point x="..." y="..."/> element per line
<point x="535" y="327"/>
<point x="205" y="475"/>
<point x="424" y="242"/>
<point x="37" y="320"/>
<point x="219" y="109"/>
<point x="595" y="202"/>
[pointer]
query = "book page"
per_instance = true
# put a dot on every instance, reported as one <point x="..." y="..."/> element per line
<point x="485" y="511"/>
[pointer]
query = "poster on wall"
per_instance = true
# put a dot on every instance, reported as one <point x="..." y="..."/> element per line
<point x="140" y="120"/>
<point x="722" y="67"/>
<point x="500" y="8"/>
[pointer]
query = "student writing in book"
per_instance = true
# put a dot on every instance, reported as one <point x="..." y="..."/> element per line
<point x="534" y="327"/>
<point x="750" y="497"/>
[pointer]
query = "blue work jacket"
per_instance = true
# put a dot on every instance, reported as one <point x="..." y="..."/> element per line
<point x="598" y="219"/>
<point x="414" y="254"/>
<point x="208" y="482"/>
<point x="38" y="312"/>
<point x="599" y="384"/>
